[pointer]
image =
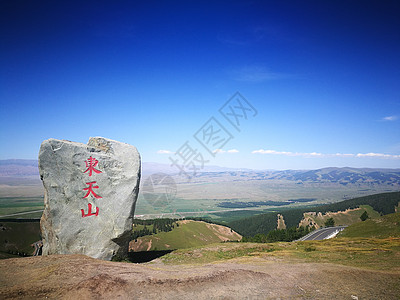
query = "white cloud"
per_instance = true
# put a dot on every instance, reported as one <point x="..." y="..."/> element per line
<point x="226" y="151"/>
<point x="316" y="154"/>
<point x="343" y="155"/>
<point x="233" y="151"/>
<point x="164" y="152"/>
<point x="219" y="151"/>
<point x="312" y="154"/>
<point x="262" y="151"/>
<point x="390" y="118"/>
<point x="378" y="155"/>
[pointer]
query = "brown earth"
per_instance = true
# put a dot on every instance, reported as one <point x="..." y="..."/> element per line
<point x="281" y="222"/>
<point x="224" y="233"/>
<point x="311" y="218"/>
<point x="81" y="277"/>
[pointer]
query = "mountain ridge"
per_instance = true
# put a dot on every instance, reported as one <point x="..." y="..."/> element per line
<point x="21" y="168"/>
<point x="153" y="167"/>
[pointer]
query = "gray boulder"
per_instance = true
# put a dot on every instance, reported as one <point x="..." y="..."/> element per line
<point x="90" y="196"/>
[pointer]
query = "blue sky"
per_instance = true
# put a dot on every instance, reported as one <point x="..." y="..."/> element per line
<point x="323" y="76"/>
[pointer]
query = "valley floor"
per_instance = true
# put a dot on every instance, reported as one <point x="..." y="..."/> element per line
<point x="258" y="276"/>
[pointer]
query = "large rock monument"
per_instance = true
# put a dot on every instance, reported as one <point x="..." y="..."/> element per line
<point x="90" y="196"/>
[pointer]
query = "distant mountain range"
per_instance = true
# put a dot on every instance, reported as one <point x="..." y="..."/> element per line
<point x="19" y="167"/>
<point x="29" y="167"/>
<point x="344" y="176"/>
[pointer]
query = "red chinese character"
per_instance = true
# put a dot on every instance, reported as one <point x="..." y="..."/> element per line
<point x="90" y="164"/>
<point x="90" y="212"/>
<point x="90" y="188"/>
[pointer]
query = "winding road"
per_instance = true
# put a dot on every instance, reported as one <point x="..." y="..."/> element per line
<point x="323" y="233"/>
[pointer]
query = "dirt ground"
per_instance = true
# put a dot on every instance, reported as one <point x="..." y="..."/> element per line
<point x="81" y="277"/>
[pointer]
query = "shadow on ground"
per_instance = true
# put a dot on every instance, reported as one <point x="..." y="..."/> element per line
<point x="146" y="256"/>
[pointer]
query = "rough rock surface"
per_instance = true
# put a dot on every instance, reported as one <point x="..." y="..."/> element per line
<point x="90" y="196"/>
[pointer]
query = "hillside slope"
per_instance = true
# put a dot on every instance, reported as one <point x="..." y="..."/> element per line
<point x="384" y="227"/>
<point x="384" y="203"/>
<point x="347" y="217"/>
<point x="187" y="234"/>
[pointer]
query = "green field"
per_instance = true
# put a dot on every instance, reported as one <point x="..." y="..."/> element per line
<point x="372" y="244"/>
<point x="185" y="234"/>
<point x="384" y="227"/>
<point x="204" y="195"/>
<point x="353" y="216"/>
<point x="345" y="217"/>
<point x="18" y="205"/>
<point x="377" y="254"/>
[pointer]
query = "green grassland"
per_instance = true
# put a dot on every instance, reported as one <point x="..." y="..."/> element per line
<point x="185" y="234"/>
<point x="230" y="216"/>
<point x="372" y="244"/>
<point x="19" y="236"/>
<point x="14" y="205"/>
<point x="353" y="216"/>
<point x="204" y="195"/>
<point x="384" y="227"/>
<point x="345" y="217"/>
<point x="379" y="254"/>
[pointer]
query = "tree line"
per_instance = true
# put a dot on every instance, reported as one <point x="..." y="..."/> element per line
<point x="384" y="203"/>
<point x="156" y="225"/>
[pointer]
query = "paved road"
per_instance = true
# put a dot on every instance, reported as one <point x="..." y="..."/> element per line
<point x="22" y="213"/>
<point x="323" y="233"/>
